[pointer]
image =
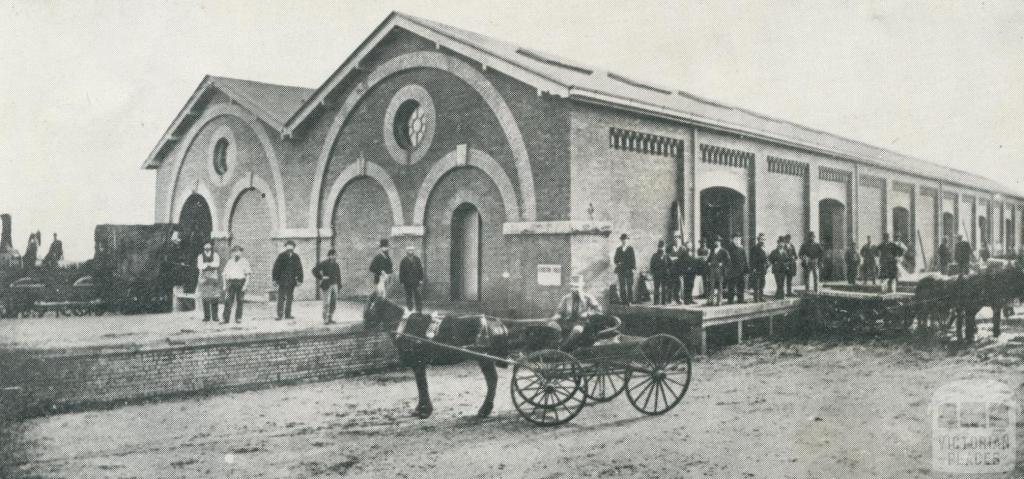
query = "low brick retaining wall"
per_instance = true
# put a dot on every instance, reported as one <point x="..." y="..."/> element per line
<point x="42" y="381"/>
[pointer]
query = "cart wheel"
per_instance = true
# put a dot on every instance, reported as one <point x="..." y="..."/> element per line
<point x="660" y="376"/>
<point x="547" y="388"/>
<point x="604" y="382"/>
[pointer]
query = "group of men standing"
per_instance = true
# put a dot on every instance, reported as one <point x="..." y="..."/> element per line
<point x="957" y="259"/>
<point x="875" y="262"/>
<point x="724" y="266"/>
<point x="727" y="269"/>
<point x="229" y="281"/>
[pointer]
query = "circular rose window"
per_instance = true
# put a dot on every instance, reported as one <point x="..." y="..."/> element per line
<point x="409" y="124"/>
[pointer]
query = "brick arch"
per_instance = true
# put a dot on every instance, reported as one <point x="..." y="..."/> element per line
<point x="473" y="78"/>
<point x="253" y="123"/>
<point x="202" y="189"/>
<point x="362" y="168"/>
<point x="476" y="159"/>
<point x="252" y="183"/>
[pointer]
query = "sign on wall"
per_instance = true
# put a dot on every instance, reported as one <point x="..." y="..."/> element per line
<point x="549" y="274"/>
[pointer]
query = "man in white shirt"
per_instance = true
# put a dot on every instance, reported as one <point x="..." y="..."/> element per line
<point x="236" y="276"/>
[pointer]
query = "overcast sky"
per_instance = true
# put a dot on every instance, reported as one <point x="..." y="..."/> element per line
<point x="88" y="87"/>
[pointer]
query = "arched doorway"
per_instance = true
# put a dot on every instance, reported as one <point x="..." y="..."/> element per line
<point x="832" y="236"/>
<point x="949" y="228"/>
<point x="250" y="228"/>
<point x="196" y="225"/>
<point x="464" y="202"/>
<point x="465" y="255"/>
<point x="721" y="213"/>
<point x="362" y="217"/>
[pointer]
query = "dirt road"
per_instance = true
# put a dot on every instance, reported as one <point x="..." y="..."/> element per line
<point x="755" y="410"/>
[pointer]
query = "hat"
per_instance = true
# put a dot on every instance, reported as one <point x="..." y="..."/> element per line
<point x="289" y="243"/>
<point x="331" y="252"/>
<point x="624" y="236"/>
<point x="384" y="243"/>
<point x="237" y="247"/>
<point x="410" y="248"/>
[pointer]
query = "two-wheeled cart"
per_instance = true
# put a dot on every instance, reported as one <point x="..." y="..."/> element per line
<point x="550" y="387"/>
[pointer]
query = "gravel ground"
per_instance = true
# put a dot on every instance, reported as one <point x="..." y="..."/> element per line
<point x="754" y="410"/>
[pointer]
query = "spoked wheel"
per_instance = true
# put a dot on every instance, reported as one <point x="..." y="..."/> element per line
<point x="661" y="375"/>
<point x="547" y="388"/>
<point x="604" y="382"/>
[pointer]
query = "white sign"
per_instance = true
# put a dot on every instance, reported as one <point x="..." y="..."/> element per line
<point x="549" y="274"/>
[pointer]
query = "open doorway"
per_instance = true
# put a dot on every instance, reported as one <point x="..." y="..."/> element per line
<point x="465" y="255"/>
<point x="721" y="213"/>
<point x="196" y="225"/>
<point x="832" y="235"/>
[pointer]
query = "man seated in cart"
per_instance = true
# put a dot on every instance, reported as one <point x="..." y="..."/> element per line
<point x="580" y="318"/>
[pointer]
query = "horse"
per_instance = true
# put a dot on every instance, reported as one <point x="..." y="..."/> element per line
<point x="491" y="336"/>
<point x="959" y="300"/>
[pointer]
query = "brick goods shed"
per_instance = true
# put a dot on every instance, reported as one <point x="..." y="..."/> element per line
<point x="510" y="170"/>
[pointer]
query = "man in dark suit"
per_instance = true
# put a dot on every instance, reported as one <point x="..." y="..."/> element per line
<point x="736" y="275"/>
<point x="410" y="274"/>
<point x="852" y="263"/>
<point x="758" y="268"/>
<point x="944" y="254"/>
<point x="810" y="257"/>
<point x="625" y="263"/>
<point x="381" y="268"/>
<point x="790" y="264"/>
<point x="328" y="277"/>
<point x="676" y="253"/>
<point x="718" y="262"/>
<point x="779" y="258"/>
<point x="889" y="254"/>
<point x="661" y="273"/>
<point x="287" y="274"/>
<point x="962" y="255"/>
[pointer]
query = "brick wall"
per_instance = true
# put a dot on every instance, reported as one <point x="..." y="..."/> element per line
<point x="361" y="218"/>
<point x="54" y="380"/>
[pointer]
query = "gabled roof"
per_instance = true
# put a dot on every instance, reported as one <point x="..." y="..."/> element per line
<point x="273" y="104"/>
<point x="558" y="76"/>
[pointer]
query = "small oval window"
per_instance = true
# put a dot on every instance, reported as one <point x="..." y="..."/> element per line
<point x="220" y="156"/>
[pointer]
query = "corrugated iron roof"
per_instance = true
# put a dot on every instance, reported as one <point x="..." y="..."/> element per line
<point x="594" y="84"/>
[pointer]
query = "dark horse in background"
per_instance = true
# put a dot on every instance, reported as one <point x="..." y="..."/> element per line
<point x="959" y="300"/>
<point x="494" y="337"/>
